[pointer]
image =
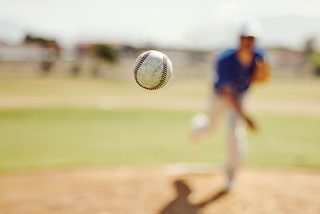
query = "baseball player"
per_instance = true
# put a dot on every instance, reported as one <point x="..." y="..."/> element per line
<point x="235" y="70"/>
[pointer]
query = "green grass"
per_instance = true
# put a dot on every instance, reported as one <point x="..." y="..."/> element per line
<point x="21" y="86"/>
<point x="62" y="137"/>
<point x="53" y="138"/>
<point x="34" y="139"/>
<point x="286" y="141"/>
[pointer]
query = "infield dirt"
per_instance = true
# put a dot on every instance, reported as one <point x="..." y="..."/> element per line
<point x="151" y="190"/>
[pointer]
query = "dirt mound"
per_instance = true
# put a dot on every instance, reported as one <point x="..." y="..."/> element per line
<point x="151" y="190"/>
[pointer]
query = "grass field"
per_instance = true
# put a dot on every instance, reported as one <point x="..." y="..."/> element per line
<point x="154" y="132"/>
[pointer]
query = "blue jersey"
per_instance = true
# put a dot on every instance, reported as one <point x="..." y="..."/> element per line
<point x="229" y="71"/>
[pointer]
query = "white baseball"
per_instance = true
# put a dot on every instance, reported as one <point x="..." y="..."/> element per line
<point x="152" y="70"/>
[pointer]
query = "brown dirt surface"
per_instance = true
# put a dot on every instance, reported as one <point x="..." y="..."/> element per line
<point x="150" y="190"/>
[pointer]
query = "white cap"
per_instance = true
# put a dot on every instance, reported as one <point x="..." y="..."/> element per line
<point x="250" y="28"/>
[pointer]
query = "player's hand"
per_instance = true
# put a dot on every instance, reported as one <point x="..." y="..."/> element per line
<point x="252" y="125"/>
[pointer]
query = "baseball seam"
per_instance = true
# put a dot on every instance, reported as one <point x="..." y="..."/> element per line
<point x="163" y="76"/>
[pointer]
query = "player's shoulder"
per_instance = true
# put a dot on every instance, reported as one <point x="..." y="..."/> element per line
<point x="225" y="55"/>
<point x="260" y="52"/>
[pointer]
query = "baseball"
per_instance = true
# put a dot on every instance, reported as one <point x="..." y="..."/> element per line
<point x="152" y="70"/>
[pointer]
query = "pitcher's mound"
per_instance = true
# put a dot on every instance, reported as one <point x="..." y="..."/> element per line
<point x="152" y="191"/>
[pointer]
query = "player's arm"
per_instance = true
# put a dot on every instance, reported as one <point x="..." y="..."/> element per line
<point x="227" y="92"/>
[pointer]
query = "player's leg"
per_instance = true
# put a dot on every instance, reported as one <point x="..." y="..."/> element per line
<point x="236" y="146"/>
<point x="204" y="125"/>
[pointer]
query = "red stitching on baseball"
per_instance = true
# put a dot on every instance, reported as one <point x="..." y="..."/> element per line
<point x="143" y="58"/>
<point x="164" y="72"/>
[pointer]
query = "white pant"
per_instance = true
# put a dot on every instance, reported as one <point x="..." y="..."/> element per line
<point x="236" y="139"/>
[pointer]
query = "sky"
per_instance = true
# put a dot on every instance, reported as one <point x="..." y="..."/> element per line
<point x="194" y="24"/>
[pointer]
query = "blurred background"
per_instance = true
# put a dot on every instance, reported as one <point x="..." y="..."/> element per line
<point x="67" y="37"/>
<point x="68" y="98"/>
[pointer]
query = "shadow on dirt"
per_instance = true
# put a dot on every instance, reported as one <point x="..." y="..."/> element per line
<point x="180" y="205"/>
